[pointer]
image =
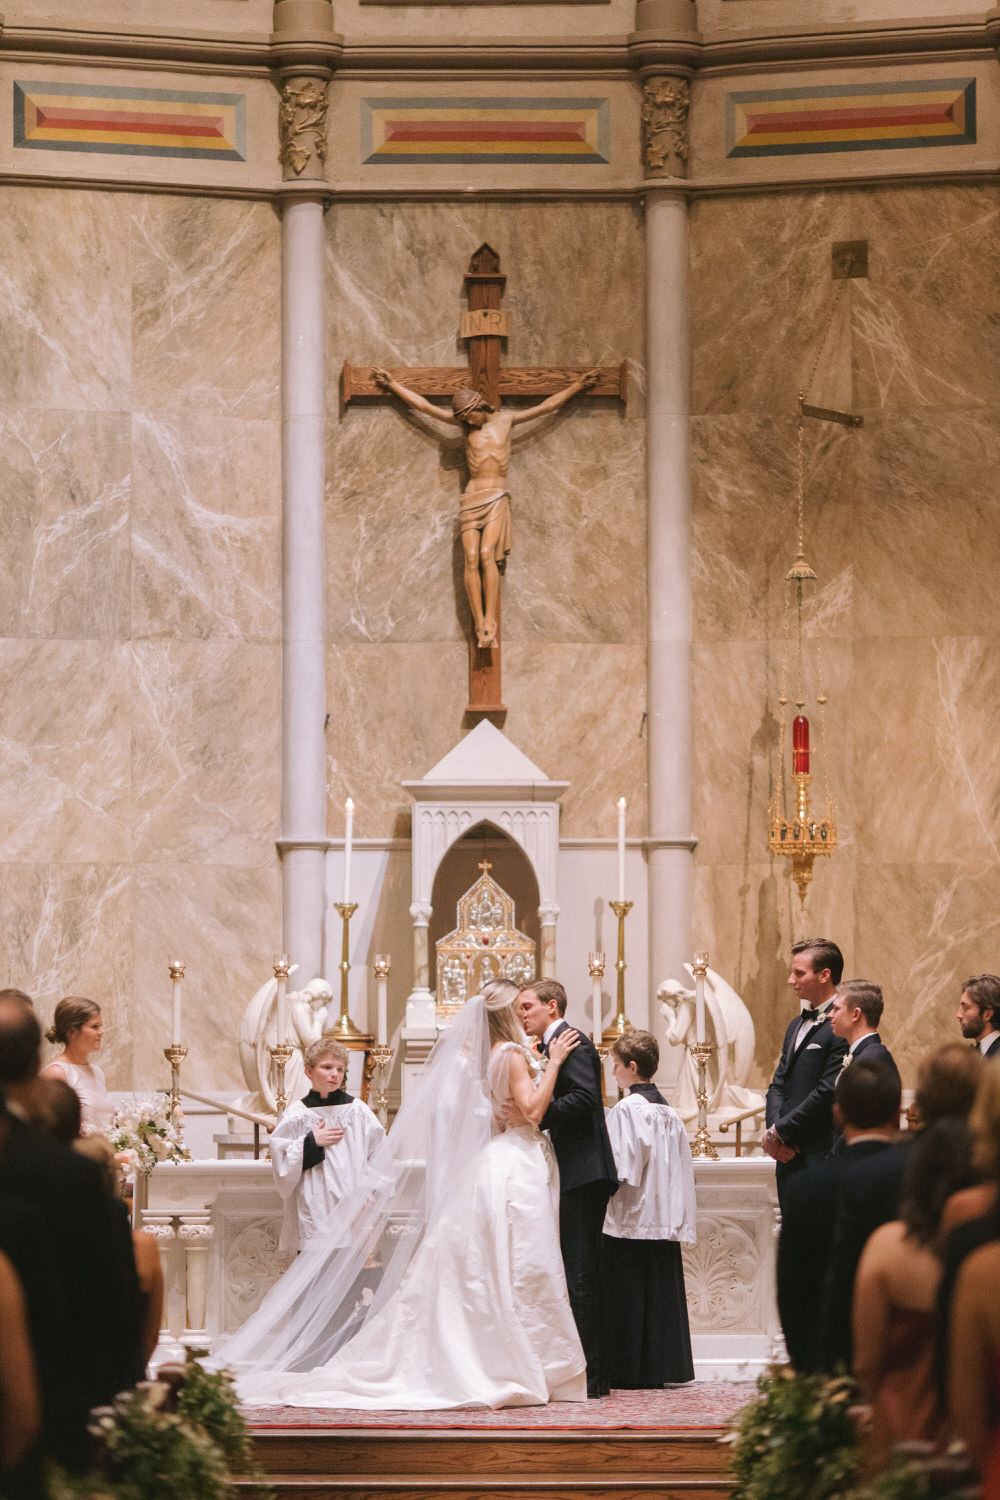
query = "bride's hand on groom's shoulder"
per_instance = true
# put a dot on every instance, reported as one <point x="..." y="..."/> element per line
<point x="562" y="1045"/>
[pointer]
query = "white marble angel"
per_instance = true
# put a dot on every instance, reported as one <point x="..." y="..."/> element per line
<point x="729" y="1025"/>
<point x="307" y="1010"/>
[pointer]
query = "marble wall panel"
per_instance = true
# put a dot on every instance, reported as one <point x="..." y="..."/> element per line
<point x="206" y="292"/>
<point x="206" y="746"/>
<point x="65" y="767"/>
<point x="64" y="524"/>
<point x="65" y="300"/>
<point x="206" y="527"/>
<point x="925" y="543"/>
<point x="395" y="710"/>
<point x="67" y="928"/>
<point x="928" y="768"/>
<point x="922" y="928"/>
<point x="747" y="914"/>
<point x="225" y="923"/>
<point x="579" y="712"/>
<point x="744" y="525"/>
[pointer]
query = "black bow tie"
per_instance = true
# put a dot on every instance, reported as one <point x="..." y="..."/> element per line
<point x="812" y="1015"/>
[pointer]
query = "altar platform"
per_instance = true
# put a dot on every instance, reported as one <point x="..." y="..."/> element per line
<point x="634" y="1443"/>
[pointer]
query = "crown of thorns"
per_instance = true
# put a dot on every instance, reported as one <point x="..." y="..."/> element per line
<point x="465" y="401"/>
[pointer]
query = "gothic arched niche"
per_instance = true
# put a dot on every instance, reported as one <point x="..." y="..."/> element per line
<point x="461" y="868"/>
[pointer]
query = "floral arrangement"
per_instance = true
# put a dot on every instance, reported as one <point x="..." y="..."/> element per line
<point x="159" y="1442"/>
<point x="798" y="1439"/>
<point x="143" y="1134"/>
<point x="916" y="1472"/>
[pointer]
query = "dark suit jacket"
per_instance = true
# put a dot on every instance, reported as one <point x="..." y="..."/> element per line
<point x="873" y="1049"/>
<point x="575" y="1120"/>
<point x="828" y="1215"/>
<point x="993" y="1052"/>
<point x="800" y="1098"/>
<point x="91" y="1245"/>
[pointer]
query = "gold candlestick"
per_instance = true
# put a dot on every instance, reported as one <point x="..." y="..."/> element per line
<point x="280" y="1055"/>
<point x="343" y="1026"/>
<point x="175" y="1056"/>
<point x="620" y="1023"/>
<point x="380" y="1061"/>
<point x="701" y="1050"/>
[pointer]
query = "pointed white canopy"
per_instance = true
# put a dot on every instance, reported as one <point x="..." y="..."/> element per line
<point x="486" y="766"/>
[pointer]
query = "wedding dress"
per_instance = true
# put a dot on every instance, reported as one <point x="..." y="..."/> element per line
<point x="453" y="1292"/>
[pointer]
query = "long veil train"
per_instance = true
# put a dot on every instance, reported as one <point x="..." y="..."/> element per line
<point x="344" y="1278"/>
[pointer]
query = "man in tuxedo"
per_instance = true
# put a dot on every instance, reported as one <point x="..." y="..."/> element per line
<point x="854" y="1016"/>
<point x="799" y="1101"/>
<point x="587" y="1178"/>
<point x="978" y="1013"/>
<point x="829" y="1212"/>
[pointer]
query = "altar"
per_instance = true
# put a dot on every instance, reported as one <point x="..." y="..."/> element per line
<point x="218" y="1223"/>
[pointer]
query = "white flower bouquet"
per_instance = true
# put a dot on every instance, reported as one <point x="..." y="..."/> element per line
<point x="143" y="1134"/>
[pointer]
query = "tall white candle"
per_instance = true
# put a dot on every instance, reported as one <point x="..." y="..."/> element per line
<point x="700" y="965"/>
<point x="598" y="1008"/>
<point x="348" y="838"/>
<point x="176" y="975"/>
<point x="282" y="981"/>
<point x="621" y="848"/>
<point x="382" y="971"/>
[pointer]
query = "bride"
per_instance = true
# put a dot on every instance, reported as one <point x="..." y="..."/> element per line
<point x="444" y="1285"/>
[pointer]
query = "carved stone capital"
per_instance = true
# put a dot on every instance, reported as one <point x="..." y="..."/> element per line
<point x="666" y="101"/>
<point x="302" y="127"/>
<point x="421" y="912"/>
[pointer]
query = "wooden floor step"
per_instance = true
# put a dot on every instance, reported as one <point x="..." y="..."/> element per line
<point x="651" y="1452"/>
<point x="492" y="1487"/>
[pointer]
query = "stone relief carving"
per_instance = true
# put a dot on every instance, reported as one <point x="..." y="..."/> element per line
<point x="253" y="1265"/>
<point x="722" y="1273"/>
<point x="302" y="125"/>
<point x="665" y="106"/>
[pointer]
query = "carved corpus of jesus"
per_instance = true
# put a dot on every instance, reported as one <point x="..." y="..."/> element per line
<point x="484" y="514"/>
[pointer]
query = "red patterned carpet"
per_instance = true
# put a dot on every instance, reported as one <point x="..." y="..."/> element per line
<point x="702" y="1403"/>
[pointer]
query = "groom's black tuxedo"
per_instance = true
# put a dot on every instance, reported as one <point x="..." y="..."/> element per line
<point x="587" y="1179"/>
<point x="575" y="1120"/>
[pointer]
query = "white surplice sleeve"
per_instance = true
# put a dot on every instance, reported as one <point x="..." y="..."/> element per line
<point x="652" y="1153"/>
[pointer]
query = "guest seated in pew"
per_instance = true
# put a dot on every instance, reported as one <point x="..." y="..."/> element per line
<point x="646" y="1338"/>
<point x="20" y="1402"/>
<point x="895" y="1295"/>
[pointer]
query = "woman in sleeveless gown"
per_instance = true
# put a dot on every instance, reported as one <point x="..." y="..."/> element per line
<point x="451" y="1291"/>
<point x="78" y="1027"/>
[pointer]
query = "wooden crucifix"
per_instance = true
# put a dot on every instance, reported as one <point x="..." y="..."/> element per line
<point x="476" y="393"/>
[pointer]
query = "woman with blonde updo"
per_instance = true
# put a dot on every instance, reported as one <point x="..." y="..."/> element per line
<point x="78" y="1028"/>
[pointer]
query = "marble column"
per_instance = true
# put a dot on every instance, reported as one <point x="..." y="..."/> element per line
<point x="305" y="53"/>
<point x="670" y="842"/>
<point x="664" y="49"/>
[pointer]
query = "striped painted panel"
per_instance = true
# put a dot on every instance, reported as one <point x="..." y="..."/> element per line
<point x="130" y="122"/>
<point x="852" y="117"/>
<point x="546" y="131"/>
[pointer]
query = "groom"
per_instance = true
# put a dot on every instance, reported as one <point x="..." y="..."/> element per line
<point x="587" y="1179"/>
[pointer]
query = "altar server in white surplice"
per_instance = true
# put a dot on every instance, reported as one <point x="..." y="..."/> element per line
<point x="647" y="1341"/>
<point x="323" y="1149"/>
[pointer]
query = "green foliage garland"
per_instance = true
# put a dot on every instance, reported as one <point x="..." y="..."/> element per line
<point x="797" y="1441"/>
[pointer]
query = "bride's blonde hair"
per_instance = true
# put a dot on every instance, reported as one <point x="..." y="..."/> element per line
<point x="500" y="999"/>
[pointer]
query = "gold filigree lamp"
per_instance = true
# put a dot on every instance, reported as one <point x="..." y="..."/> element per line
<point x="800" y="835"/>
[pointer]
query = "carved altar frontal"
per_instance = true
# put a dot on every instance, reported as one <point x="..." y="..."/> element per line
<point x="218" y="1224"/>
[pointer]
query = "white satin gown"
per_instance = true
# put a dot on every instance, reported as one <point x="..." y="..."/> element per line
<point x="481" y="1317"/>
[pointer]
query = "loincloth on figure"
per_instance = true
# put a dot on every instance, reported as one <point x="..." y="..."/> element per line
<point x="481" y="511"/>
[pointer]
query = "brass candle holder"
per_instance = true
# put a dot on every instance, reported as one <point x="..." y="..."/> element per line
<point x="175" y="1056"/>
<point x="380" y="1061"/>
<point x="280" y="1055"/>
<point x="620" y="1023"/>
<point x="343" y="1027"/>
<point x="701" y="1051"/>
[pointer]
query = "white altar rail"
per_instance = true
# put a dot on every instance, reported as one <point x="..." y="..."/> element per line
<point x="218" y="1222"/>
